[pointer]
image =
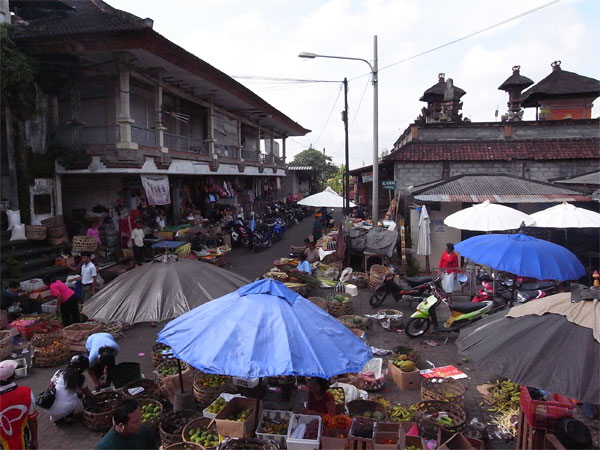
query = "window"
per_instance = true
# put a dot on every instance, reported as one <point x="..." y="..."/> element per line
<point x="42" y="204"/>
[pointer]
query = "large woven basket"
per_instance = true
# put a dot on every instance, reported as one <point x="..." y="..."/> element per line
<point x="205" y="395"/>
<point x="319" y="301"/>
<point x="56" y="231"/>
<point x="5" y="344"/>
<point x="160" y="378"/>
<point x="58" y="240"/>
<point x="359" y="279"/>
<point x="35" y="232"/>
<point x="84" y="243"/>
<point x="78" y="333"/>
<point x="443" y="389"/>
<point x="151" y="423"/>
<point x="376" y="275"/>
<point x="102" y="420"/>
<point x="172" y="424"/>
<point x="114" y="329"/>
<point x="49" y="349"/>
<point x="151" y="389"/>
<point x="157" y="354"/>
<point x="200" y="422"/>
<point x="54" y="221"/>
<point x="182" y="446"/>
<point x="348" y="320"/>
<point x="247" y="444"/>
<point x="359" y="407"/>
<point x="340" y="309"/>
<point x="428" y="424"/>
<point x="394" y="316"/>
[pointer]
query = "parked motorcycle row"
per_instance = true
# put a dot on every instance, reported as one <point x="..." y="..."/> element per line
<point x="259" y="232"/>
<point x="498" y="292"/>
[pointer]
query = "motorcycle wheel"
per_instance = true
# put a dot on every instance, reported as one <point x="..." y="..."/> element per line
<point x="245" y="242"/>
<point x="378" y="297"/>
<point x="416" y="327"/>
<point x="276" y="237"/>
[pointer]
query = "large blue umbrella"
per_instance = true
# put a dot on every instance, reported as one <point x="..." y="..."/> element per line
<point x="522" y="255"/>
<point x="264" y="329"/>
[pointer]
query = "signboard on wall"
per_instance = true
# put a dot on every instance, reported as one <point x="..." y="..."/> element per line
<point x="438" y="226"/>
<point x="388" y="184"/>
<point x="367" y="177"/>
<point x="157" y="189"/>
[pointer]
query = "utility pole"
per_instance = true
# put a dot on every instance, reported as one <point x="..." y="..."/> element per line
<point x="347" y="152"/>
<point x="375" y="200"/>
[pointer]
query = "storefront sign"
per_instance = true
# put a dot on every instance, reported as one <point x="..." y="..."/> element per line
<point x="367" y="177"/>
<point x="388" y="184"/>
<point x="438" y="226"/>
<point x="157" y="189"/>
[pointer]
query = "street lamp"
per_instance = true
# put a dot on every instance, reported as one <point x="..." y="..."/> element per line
<point x="373" y="67"/>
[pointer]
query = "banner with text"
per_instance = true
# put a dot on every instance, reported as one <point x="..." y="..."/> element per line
<point x="157" y="189"/>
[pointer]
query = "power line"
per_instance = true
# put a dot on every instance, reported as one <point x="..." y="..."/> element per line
<point x="329" y="116"/>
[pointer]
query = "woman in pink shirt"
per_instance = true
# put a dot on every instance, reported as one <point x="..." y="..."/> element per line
<point x="65" y="299"/>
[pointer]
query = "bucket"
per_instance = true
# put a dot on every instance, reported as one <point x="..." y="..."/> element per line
<point x="352" y="289"/>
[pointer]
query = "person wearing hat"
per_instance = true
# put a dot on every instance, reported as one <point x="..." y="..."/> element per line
<point x="70" y="386"/>
<point x="103" y="349"/>
<point x="17" y="410"/>
<point x="89" y="275"/>
<point x="128" y="431"/>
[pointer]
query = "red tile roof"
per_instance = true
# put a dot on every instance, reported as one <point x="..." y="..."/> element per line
<point x="505" y="150"/>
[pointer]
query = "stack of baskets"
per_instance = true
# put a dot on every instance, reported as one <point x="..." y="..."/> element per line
<point x="49" y="349"/>
<point x="56" y="230"/>
<point x="429" y="412"/>
<point x="161" y="353"/>
<point x="319" y="301"/>
<point x="208" y="387"/>
<point x="84" y="243"/>
<point x="98" y="415"/>
<point x="443" y="390"/>
<point x="35" y="232"/>
<point x="376" y="275"/>
<point x="337" y="309"/>
<point x="172" y="424"/>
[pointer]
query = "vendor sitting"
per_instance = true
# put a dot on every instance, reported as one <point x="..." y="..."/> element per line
<point x="319" y="400"/>
<point x="304" y="265"/>
<point x="311" y="252"/>
<point x="198" y="242"/>
<point x="103" y="349"/>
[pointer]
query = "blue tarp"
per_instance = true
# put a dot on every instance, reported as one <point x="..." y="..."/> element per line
<point x="265" y="329"/>
<point x="172" y="245"/>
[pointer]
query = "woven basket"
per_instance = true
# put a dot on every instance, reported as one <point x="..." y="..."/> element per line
<point x="172" y="424"/>
<point x="54" y="221"/>
<point x="340" y="309"/>
<point x="5" y="344"/>
<point x="58" y="240"/>
<point x="114" y="329"/>
<point x="359" y="279"/>
<point x="359" y="407"/>
<point x="78" y="333"/>
<point x="56" y="231"/>
<point x="247" y="444"/>
<point x="443" y="390"/>
<point x="429" y="426"/>
<point x="205" y="395"/>
<point x="49" y="349"/>
<point x="348" y="321"/>
<point x="330" y="258"/>
<point x="35" y="232"/>
<point x="395" y="323"/>
<point x="151" y="389"/>
<point x="182" y="446"/>
<point x="102" y="421"/>
<point x="84" y="243"/>
<point x="319" y="301"/>
<point x="151" y="423"/>
<point x="202" y="422"/>
<point x="376" y="275"/>
<point x="157" y="355"/>
<point x="169" y="364"/>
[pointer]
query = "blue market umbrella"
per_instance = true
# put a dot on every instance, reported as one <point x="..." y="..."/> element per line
<point x="264" y="329"/>
<point x="522" y="255"/>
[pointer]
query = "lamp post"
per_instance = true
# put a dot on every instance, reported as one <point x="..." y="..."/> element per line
<point x="374" y="71"/>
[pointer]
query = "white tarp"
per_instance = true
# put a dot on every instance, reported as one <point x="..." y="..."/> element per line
<point x="328" y="199"/>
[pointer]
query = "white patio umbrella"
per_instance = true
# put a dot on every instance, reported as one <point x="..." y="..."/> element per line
<point x="424" y="242"/>
<point x="488" y="216"/>
<point x="328" y="199"/>
<point x="566" y="215"/>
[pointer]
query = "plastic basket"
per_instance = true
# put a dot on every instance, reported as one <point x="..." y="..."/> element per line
<point x="303" y="444"/>
<point x="279" y="439"/>
<point x="545" y="414"/>
<point x="50" y="307"/>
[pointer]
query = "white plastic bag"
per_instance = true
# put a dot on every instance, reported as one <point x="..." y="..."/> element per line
<point x="448" y="282"/>
<point x="14" y="218"/>
<point x="18" y="232"/>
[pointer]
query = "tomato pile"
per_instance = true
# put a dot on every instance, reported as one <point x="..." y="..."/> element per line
<point x="339" y="422"/>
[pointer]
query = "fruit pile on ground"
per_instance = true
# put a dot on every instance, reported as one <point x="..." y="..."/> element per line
<point x="279" y="426"/>
<point x="241" y="416"/>
<point x="204" y="437"/>
<point x="150" y="411"/>
<point x="216" y="406"/>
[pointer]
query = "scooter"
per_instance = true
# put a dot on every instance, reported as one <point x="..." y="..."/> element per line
<point x="418" y="286"/>
<point x="461" y="315"/>
<point x="503" y="289"/>
<point x="278" y="229"/>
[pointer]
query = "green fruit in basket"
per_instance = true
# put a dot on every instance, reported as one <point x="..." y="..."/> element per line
<point x="378" y="415"/>
<point x="357" y="320"/>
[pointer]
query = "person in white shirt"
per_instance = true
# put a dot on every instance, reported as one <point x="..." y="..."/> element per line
<point x="137" y="238"/>
<point x="88" y="276"/>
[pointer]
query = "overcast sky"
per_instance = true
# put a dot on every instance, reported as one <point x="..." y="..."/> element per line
<point x="263" y="38"/>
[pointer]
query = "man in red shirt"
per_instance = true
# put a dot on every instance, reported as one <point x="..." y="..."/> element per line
<point x="17" y="411"/>
<point x="66" y="299"/>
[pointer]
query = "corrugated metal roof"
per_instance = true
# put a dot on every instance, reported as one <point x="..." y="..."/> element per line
<point x="588" y="178"/>
<point x="305" y="168"/>
<point x="495" y="188"/>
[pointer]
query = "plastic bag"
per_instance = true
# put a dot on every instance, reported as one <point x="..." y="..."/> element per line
<point x="448" y="282"/>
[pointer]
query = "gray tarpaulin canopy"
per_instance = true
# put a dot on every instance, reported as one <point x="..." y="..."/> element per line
<point x="161" y="291"/>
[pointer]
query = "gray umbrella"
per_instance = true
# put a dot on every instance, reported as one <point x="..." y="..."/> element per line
<point x="160" y="291"/>
<point x="549" y="351"/>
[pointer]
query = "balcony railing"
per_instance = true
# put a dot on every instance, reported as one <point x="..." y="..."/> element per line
<point x="267" y="159"/>
<point x="185" y="144"/>
<point x="143" y="136"/>
<point x="250" y="156"/>
<point x="228" y="151"/>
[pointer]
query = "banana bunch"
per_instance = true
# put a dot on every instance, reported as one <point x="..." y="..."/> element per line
<point x="503" y="396"/>
<point x="379" y="399"/>
<point x="402" y="413"/>
<point x="184" y="250"/>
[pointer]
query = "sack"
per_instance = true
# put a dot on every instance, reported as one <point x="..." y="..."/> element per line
<point x="45" y="400"/>
<point x="448" y="282"/>
<point x="14" y="218"/>
<point x="18" y="232"/>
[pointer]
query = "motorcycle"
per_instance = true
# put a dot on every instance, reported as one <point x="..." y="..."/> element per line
<point x="418" y="286"/>
<point x="240" y="233"/>
<point x="262" y="240"/>
<point x="498" y="287"/>
<point x="278" y="226"/>
<point x="461" y="315"/>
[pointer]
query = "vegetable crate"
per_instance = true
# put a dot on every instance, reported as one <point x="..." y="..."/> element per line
<point x="50" y="307"/>
<point x="306" y="442"/>
<point x="276" y="417"/>
<point x="387" y="436"/>
<point x="226" y="426"/>
<point x="545" y="414"/>
<point x="361" y="434"/>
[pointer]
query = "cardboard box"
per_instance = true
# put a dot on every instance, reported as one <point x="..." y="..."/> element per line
<point x="457" y="442"/>
<point x="404" y="380"/>
<point x="334" y="443"/>
<point x="414" y="441"/>
<point x="387" y="436"/>
<point x="232" y="428"/>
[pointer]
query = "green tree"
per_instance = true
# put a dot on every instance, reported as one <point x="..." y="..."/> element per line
<point x="337" y="181"/>
<point x="323" y="167"/>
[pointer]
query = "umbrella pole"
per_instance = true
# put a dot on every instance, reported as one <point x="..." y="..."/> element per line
<point x="427" y="266"/>
<point x="256" y="418"/>
<point x="180" y="375"/>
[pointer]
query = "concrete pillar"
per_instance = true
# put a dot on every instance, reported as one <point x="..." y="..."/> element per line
<point x="272" y="142"/>
<point x="158" y="107"/>
<point x="75" y="101"/>
<point x="58" y="203"/>
<point x="239" y="140"/>
<point x="210" y="140"/>
<point x="283" y="148"/>
<point x="124" y="119"/>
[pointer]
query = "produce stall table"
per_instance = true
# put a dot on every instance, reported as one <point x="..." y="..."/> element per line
<point x="166" y="245"/>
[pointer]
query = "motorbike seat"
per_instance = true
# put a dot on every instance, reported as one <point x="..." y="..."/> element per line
<point x="541" y="285"/>
<point x="416" y="281"/>
<point x="467" y="307"/>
